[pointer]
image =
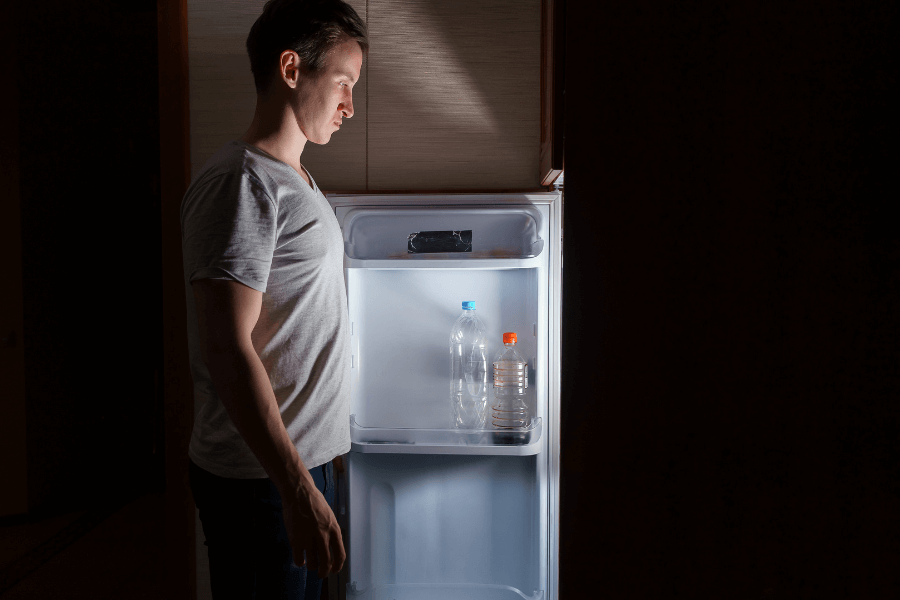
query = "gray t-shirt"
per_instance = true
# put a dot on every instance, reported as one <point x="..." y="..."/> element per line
<point x="251" y="218"/>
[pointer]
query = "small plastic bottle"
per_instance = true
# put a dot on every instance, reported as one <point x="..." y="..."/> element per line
<point x="468" y="371"/>
<point x="510" y="382"/>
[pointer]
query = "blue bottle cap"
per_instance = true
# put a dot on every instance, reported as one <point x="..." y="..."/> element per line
<point x="469" y="305"/>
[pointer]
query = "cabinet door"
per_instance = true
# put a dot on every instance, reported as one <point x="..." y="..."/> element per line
<point x="553" y="27"/>
<point x="454" y="94"/>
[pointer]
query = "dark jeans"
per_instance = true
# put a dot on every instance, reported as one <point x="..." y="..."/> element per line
<point x="249" y="552"/>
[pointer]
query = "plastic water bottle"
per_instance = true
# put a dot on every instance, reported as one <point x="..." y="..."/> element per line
<point x="468" y="371"/>
<point x="510" y="380"/>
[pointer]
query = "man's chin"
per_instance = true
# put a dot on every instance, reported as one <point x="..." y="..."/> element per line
<point x="321" y="141"/>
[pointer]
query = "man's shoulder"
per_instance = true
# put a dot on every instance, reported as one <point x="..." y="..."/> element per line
<point x="227" y="167"/>
<point x="231" y="160"/>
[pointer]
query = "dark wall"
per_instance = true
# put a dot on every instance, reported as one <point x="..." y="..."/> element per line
<point x="89" y="156"/>
<point x="729" y="364"/>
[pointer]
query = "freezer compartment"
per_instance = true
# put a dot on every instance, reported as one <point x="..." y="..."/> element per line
<point x="443" y="524"/>
<point x="400" y="339"/>
<point x="446" y="441"/>
<point x="427" y="233"/>
<point x="461" y="591"/>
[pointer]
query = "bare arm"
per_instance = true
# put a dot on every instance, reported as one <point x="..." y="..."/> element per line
<point x="227" y="311"/>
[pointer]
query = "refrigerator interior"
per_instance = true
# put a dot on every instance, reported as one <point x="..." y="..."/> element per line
<point x="400" y="337"/>
<point x="433" y="512"/>
<point x="424" y="524"/>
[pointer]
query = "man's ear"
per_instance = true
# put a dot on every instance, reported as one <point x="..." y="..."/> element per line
<point x="289" y="68"/>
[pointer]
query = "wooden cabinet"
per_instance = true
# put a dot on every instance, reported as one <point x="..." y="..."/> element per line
<point x="454" y="94"/>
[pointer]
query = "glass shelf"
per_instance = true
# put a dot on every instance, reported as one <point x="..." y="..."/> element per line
<point x="438" y="591"/>
<point x="445" y="441"/>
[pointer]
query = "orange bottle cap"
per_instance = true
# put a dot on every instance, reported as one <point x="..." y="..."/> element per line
<point x="509" y="338"/>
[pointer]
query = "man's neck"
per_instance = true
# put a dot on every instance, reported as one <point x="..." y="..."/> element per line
<point x="274" y="130"/>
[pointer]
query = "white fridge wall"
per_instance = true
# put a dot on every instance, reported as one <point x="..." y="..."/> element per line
<point x="401" y="337"/>
<point x="441" y="520"/>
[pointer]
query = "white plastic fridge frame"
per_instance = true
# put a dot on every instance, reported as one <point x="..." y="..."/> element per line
<point x="337" y="585"/>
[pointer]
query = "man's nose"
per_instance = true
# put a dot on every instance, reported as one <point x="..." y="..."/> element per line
<point x="347" y="108"/>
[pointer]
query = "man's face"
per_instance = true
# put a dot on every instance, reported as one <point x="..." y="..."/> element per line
<point x="325" y="97"/>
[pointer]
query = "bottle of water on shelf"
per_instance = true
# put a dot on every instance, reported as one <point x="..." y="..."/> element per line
<point x="510" y="381"/>
<point x="468" y="371"/>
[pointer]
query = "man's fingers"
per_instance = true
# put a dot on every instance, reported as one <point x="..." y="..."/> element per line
<point x="302" y="556"/>
<point x="339" y="555"/>
<point x="309" y="549"/>
<point x="317" y="546"/>
<point x="324" y="558"/>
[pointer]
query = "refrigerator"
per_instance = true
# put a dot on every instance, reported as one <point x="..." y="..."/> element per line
<point x="431" y="512"/>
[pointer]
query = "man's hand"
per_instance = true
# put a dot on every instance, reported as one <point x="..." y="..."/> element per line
<point x="314" y="531"/>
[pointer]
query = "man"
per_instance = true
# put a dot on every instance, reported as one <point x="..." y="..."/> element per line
<point x="267" y="315"/>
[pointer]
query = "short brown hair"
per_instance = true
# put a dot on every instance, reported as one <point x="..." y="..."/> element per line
<point x="311" y="28"/>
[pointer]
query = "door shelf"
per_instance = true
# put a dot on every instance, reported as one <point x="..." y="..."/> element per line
<point x="425" y="261"/>
<point x="438" y="591"/>
<point x="445" y="441"/>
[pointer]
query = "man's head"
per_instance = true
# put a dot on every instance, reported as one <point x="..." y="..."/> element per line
<point x="311" y="28"/>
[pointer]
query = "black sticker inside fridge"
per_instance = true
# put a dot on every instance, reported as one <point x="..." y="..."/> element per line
<point x="425" y="242"/>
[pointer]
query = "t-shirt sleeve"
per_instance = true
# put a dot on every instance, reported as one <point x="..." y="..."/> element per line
<point x="229" y="229"/>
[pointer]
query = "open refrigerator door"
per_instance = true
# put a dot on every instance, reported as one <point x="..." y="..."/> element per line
<point x="430" y="511"/>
